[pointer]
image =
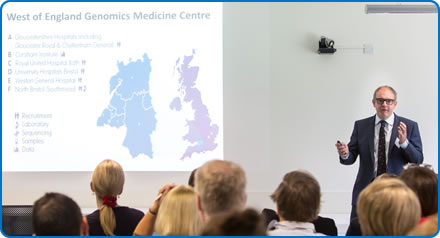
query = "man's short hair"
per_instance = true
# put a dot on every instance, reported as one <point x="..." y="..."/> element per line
<point x="221" y="186"/>
<point x="424" y="182"/>
<point x="56" y="214"/>
<point x="385" y="86"/>
<point x="387" y="207"/>
<point x="298" y="197"/>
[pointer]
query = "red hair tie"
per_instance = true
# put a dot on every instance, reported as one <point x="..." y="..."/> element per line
<point x="109" y="201"/>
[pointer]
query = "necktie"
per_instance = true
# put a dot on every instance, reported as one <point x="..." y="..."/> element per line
<point x="381" y="161"/>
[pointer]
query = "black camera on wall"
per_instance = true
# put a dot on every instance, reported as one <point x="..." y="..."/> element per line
<point x="326" y="46"/>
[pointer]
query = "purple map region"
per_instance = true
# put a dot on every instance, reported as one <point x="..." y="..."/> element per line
<point x="201" y="133"/>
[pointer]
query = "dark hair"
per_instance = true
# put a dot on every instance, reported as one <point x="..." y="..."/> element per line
<point x="298" y="197"/>
<point x="237" y="223"/>
<point x="191" y="178"/>
<point x="424" y="182"/>
<point x="56" y="214"/>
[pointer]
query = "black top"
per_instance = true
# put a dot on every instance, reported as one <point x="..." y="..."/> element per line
<point x="126" y="221"/>
<point x="354" y="229"/>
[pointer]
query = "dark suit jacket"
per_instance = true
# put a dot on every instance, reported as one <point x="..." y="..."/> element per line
<point x="362" y="144"/>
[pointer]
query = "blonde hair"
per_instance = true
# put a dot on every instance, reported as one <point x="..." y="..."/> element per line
<point x="178" y="214"/>
<point x="107" y="180"/>
<point x="387" y="207"/>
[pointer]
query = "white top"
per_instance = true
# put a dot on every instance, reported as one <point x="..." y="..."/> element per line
<point x="293" y="228"/>
<point x="388" y="129"/>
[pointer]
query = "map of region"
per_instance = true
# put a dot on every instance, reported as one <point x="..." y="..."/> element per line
<point x="201" y="133"/>
<point x="130" y="106"/>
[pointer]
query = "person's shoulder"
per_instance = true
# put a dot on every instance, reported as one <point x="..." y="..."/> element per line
<point x="128" y="210"/>
<point x="326" y="220"/>
<point x="137" y="212"/>
<point x="93" y="217"/>
<point x="365" y="120"/>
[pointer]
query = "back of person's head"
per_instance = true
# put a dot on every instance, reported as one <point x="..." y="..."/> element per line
<point x="221" y="187"/>
<point x="236" y="223"/>
<point x="387" y="207"/>
<point x="298" y="197"/>
<point x="56" y="214"/>
<point x="424" y="182"/>
<point x="178" y="214"/>
<point x="107" y="183"/>
<point x="192" y="177"/>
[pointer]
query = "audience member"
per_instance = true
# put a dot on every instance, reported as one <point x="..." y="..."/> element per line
<point x="110" y="218"/>
<point x="424" y="182"/>
<point x="236" y="223"/>
<point x="354" y="229"/>
<point x="192" y="177"/>
<point x="56" y="214"/>
<point x="387" y="207"/>
<point x="220" y="187"/>
<point x="298" y="199"/>
<point x="146" y="225"/>
<point x="178" y="214"/>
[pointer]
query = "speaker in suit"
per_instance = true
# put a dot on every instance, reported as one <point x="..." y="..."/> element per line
<point x="404" y="144"/>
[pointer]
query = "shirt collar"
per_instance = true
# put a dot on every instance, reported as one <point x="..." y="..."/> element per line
<point x="389" y="120"/>
<point x="289" y="225"/>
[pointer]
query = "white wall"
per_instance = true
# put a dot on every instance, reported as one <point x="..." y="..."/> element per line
<point x="303" y="102"/>
<point x="285" y="105"/>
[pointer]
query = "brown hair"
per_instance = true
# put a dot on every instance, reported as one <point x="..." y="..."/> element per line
<point x="191" y="178"/>
<point x="424" y="182"/>
<point x="56" y="214"/>
<point x="298" y="197"/>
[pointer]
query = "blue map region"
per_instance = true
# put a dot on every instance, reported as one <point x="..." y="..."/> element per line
<point x="130" y="106"/>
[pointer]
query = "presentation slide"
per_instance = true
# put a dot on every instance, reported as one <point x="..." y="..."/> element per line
<point x="139" y="83"/>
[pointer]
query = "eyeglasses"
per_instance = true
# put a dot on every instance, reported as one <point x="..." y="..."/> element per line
<point x="388" y="101"/>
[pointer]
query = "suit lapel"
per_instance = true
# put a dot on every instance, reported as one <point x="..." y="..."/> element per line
<point x="393" y="135"/>
<point x="370" y="131"/>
